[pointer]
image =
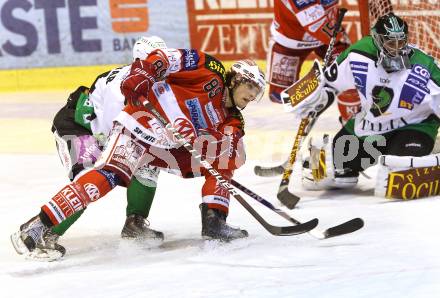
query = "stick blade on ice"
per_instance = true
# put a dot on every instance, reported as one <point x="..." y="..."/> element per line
<point x="345" y="228"/>
<point x="296" y="229"/>
<point x="287" y="198"/>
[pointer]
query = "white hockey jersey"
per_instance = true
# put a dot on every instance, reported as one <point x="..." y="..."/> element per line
<point x="389" y="100"/>
<point x="107" y="99"/>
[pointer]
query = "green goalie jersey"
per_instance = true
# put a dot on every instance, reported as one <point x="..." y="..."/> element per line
<point x="389" y="100"/>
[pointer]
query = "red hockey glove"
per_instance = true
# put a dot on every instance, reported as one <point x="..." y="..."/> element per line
<point x="143" y="74"/>
<point x="138" y="82"/>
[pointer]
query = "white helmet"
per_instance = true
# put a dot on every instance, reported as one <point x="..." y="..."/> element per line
<point x="248" y="70"/>
<point x="145" y="45"/>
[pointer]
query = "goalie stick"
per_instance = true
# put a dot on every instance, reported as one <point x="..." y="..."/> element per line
<point x="274" y="230"/>
<point x="341" y="229"/>
<point x="284" y="195"/>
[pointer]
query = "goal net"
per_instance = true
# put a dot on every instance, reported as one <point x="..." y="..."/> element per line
<point x="422" y="16"/>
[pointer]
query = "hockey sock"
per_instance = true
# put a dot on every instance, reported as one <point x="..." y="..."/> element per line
<point x="65" y="225"/>
<point x="77" y="195"/>
<point x="215" y="195"/>
<point x="139" y="198"/>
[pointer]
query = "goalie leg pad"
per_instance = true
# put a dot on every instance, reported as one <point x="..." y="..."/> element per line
<point x="407" y="177"/>
<point x="319" y="173"/>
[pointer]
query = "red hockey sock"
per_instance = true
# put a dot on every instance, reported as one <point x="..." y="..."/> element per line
<point x="77" y="195"/>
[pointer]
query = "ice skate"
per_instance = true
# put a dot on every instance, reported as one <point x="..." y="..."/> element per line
<point x="47" y="248"/>
<point x="136" y="227"/>
<point x="30" y="233"/>
<point x="214" y="225"/>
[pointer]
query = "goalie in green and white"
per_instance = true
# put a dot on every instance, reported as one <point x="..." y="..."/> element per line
<point x="399" y="87"/>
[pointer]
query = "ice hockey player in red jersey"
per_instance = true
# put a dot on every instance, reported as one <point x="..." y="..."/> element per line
<point x="300" y="28"/>
<point x="80" y="128"/>
<point x="202" y="101"/>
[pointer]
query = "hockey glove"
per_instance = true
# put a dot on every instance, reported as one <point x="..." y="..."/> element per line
<point x="143" y="74"/>
<point x="314" y="106"/>
<point x="138" y="82"/>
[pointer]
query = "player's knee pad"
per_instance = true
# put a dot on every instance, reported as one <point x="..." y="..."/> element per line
<point x="122" y="155"/>
<point x="147" y="175"/>
<point x="349" y="104"/>
<point x="283" y="67"/>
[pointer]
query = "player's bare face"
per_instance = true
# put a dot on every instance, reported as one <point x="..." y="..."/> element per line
<point x="244" y="93"/>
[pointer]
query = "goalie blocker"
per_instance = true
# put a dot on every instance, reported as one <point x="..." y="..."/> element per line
<point x="310" y="94"/>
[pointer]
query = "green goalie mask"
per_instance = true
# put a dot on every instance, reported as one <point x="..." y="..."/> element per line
<point x="390" y="34"/>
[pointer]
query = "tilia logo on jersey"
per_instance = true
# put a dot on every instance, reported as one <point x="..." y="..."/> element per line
<point x="415" y="88"/>
<point x="382" y="98"/>
<point x="212" y="114"/>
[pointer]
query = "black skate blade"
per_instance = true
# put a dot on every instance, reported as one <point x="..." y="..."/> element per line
<point x="297" y="229"/>
<point x="344" y="228"/>
<point x="287" y="198"/>
<point x="268" y="171"/>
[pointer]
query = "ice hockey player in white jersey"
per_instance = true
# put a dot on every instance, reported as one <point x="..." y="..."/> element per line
<point x="399" y="87"/>
<point x="80" y="129"/>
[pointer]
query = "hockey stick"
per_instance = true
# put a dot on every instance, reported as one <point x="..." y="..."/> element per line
<point x="280" y="169"/>
<point x="274" y="230"/>
<point x="287" y="198"/>
<point x="341" y="229"/>
<point x="270" y="171"/>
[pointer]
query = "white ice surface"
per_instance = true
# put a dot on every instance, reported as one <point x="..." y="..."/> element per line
<point x="396" y="254"/>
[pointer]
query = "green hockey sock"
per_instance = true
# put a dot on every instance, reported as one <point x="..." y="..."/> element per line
<point x="139" y="198"/>
<point x="65" y="225"/>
